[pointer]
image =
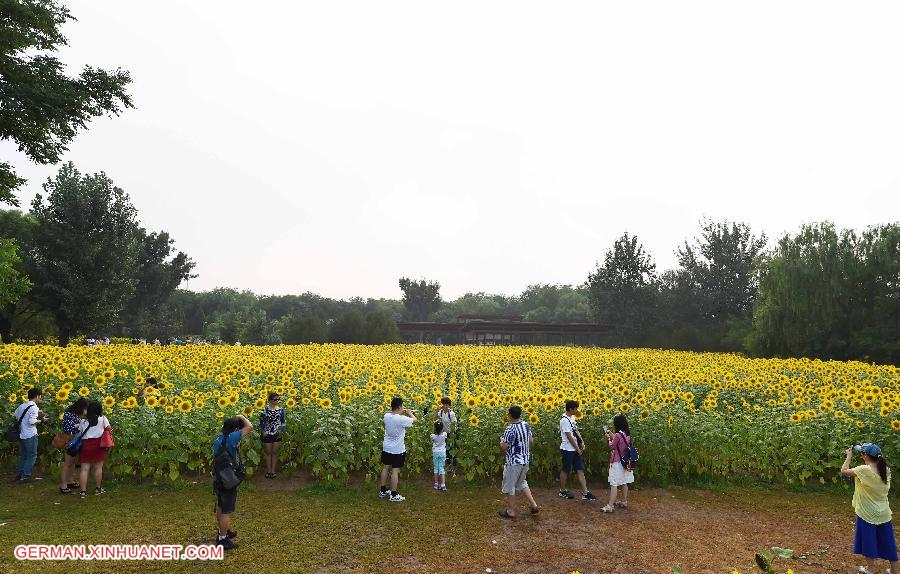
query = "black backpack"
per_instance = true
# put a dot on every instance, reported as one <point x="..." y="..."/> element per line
<point x="227" y="473"/>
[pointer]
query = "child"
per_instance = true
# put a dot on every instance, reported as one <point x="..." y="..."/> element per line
<point x="439" y="455"/>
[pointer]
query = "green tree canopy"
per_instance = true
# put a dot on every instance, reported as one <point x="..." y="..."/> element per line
<point x="41" y="108"/>
<point x="623" y="290"/>
<point x="421" y="298"/>
<point x="85" y="251"/>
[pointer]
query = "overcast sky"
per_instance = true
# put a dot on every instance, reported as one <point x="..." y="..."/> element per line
<point x="336" y="146"/>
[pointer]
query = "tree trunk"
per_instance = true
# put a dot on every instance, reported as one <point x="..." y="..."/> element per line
<point x="64" y="335"/>
<point x="6" y="329"/>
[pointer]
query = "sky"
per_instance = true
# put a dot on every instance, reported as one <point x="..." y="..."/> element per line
<point x="334" y="147"/>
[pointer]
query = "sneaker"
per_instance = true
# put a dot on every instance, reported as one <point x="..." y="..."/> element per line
<point x="588" y="496"/>
<point x="397" y="498"/>
<point x="566" y="494"/>
<point x="230" y="534"/>
<point x="384" y="494"/>
<point x="437" y="486"/>
<point x="226" y="543"/>
<point x="444" y="487"/>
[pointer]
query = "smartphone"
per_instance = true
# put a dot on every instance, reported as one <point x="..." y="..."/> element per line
<point x="606" y="429"/>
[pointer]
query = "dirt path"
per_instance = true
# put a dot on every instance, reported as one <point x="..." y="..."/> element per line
<point x="700" y="531"/>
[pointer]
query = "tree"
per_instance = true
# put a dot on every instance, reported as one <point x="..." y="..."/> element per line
<point x="158" y="276"/>
<point x="307" y="328"/>
<point x="623" y="289"/>
<point x="85" y="251"/>
<point x="41" y="108"/>
<point x="720" y="267"/>
<point x="348" y="328"/>
<point x="421" y="298"/>
<point x="380" y="328"/>
<point x="831" y="294"/>
<point x="12" y="283"/>
<point x="17" y="310"/>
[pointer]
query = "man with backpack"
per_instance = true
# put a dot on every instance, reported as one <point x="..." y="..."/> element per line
<point x="571" y="450"/>
<point x="26" y="416"/>
<point x="227" y="474"/>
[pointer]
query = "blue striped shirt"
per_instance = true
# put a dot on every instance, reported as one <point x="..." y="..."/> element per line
<point x="516" y="438"/>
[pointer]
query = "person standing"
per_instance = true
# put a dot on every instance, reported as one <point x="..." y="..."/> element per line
<point x="447" y="416"/>
<point x="272" y="423"/>
<point x="71" y="425"/>
<point x="29" y="416"/>
<point x="874" y="537"/>
<point x="439" y="456"/>
<point x="571" y="450"/>
<point x="234" y="430"/>
<point x="619" y="444"/>
<point x="92" y="455"/>
<point x="393" y="449"/>
<point x="516" y="445"/>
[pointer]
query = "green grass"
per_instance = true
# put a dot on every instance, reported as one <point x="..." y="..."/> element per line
<point x="289" y="531"/>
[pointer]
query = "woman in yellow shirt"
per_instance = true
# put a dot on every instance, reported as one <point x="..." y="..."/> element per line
<point x="874" y="530"/>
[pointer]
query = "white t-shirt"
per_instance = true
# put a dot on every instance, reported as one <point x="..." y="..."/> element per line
<point x="439" y="443"/>
<point x="95" y="431"/>
<point x="567" y="424"/>
<point x="394" y="432"/>
<point x="448" y="418"/>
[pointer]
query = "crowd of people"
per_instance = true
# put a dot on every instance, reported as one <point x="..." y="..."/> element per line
<point x="85" y="436"/>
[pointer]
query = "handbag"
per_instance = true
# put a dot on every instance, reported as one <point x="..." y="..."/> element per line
<point x="73" y="447"/>
<point x="106" y="440"/>
<point x="12" y="433"/>
<point x="61" y="439"/>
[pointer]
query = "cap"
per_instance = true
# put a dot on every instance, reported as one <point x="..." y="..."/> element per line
<point x="868" y="448"/>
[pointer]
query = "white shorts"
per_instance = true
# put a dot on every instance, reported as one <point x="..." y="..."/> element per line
<point x="618" y="475"/>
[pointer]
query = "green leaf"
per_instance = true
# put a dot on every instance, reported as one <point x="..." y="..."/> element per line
<point x="782" y="552"/>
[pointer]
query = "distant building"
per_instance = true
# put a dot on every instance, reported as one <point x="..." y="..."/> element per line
<point x="505" y="330"/>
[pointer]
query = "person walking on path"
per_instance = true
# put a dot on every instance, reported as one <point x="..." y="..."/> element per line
<point x="28" y="416"/>
<point x="393" y="449"/>
<point x="571" y="449"/>
<point x="516" y="445"/>
<point x="874" y="537"/>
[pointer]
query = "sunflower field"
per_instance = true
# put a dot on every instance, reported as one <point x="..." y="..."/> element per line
<point x="693" y="416"/>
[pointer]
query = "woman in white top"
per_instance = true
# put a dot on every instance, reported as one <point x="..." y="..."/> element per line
<point x="92" y="454"/>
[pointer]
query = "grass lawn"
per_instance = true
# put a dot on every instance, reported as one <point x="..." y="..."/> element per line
<point x="283" y="527"/>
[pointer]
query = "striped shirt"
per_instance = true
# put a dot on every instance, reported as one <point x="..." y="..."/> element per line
<point x="516" y="438"/>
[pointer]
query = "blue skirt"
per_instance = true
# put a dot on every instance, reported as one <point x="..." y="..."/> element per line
<point x="875" y="540"/>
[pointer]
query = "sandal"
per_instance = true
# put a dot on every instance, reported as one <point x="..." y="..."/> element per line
<point x="73" y="485"/>
<point x="506" y="514"/>
<point x="608" y="509"/>
<point x="83" y="494"/>
<point x="66" y="490"/>
<point x="98" y="491"/>
<point x="622" y="505"/>
<point x="536" y="509"/>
